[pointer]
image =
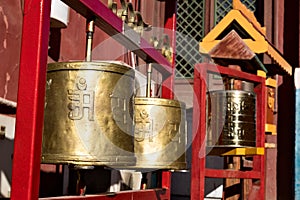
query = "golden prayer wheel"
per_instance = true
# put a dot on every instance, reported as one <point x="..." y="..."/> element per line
<point x="160" y="133"/>
<point x="88" y="114"/>
<point x="231" y="118"/>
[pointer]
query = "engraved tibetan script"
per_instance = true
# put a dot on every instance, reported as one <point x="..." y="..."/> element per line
<point x="81" y="99"/>
<point x="173" y="131"/>
<point x="119" y="109"/>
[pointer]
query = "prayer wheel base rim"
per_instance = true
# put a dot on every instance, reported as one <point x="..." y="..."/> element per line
<point x="165" y="166"/>
<point x="239" y="144"/>
<point x="113" y="161"/>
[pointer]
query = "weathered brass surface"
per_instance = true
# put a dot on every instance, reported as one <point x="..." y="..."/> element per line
<point x="88" y="114"/>
<point x="160" y="133"/>
<point x="231" y="118"/>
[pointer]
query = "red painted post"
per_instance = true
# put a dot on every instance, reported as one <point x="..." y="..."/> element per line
<point x="30" y="107"/>
<point x="259" y="161"/>
<point x="199" y="126"/>
<point x="170" y="30"/>
<point x="166" y="179"/>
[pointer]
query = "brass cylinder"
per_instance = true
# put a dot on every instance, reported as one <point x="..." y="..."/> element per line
<point x="231" y="118"/>
<point x="160" y="133"/>
<point x="88" y="114"/>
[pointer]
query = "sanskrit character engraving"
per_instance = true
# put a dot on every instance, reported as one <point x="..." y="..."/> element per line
<point x="143" y="127"/>
<point x="80" y="100"/>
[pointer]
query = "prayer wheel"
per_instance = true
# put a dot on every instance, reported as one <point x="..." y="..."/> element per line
<point x="231" y="118"/>
<point x="88" y="114"/>
<point x="160" y="133"/>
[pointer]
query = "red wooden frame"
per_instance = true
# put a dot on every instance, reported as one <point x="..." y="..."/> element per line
<point x="31" y="92"/>
<point x="30" y="106"/>
<point x="143" y="194"/>
<point x="199" y="171"/>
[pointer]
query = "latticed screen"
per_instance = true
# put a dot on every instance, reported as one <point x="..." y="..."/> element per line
<point x="190" y="31"/>
<point x="222" y="7"/>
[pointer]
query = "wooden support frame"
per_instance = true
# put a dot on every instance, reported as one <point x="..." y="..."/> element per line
<point x="199" y="171"/>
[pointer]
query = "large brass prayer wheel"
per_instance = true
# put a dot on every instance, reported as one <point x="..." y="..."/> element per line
<point x="160" y="133"/>
<point x="88" y="114"/>
<point x="231" y="118"/>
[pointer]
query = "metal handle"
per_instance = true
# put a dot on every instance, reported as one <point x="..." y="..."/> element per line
<point x="149" y="73"/>
<point x="90" y="27"/>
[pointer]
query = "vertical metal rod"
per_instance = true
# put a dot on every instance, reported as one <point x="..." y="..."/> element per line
<point x="90" y="27"/>
<point x="149" y="74"/>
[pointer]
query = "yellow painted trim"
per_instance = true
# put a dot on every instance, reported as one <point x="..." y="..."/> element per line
<point x="238" y="5"/>
<point x="279" y="59"/>
<point x="227" y="20"/>
<point x="261" y="73"/>
<point x="206" y="47"/>
<point x="271" y="82"/>
<point x="255" y="46"/>
<point x="271" y="128"/>
<point x="247" y="151"/>
<point x="258" y="46"/>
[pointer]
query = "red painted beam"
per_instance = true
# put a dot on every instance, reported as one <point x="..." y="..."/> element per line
<point x="155" y="194"/>
<point x="228" y="71"/>
<point x="106" y="20"/>
<point x="215" y="173"/>
<point x="30" y="106"/>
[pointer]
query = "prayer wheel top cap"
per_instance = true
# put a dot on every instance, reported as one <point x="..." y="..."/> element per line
<point x="236" y="92"/>
<point x="109" y="66"/>
<point x="159" y="102"/>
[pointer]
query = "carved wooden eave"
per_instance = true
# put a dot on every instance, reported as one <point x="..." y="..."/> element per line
<point x="245" y="24"/>
<point x="232" y="50"/>
<point x="238" y="5"/>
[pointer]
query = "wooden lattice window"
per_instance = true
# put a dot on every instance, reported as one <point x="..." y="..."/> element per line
<point x="190" y="31"/>
<point x="222" y="7"/>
